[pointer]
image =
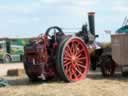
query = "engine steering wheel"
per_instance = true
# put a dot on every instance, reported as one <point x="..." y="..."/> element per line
<point x="55" y="30"/>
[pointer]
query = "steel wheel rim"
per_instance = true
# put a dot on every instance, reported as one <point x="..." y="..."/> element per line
<point x="75" y="59"/>
<point x="7" y="59"/>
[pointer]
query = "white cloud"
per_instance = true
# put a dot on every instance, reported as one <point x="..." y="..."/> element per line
<point x="16" y="8"/>
<point x="22" y="20"/>
<point x="120" y="6"/>
<point x="14" y="21"/>
<point x="36" y="19"/>
<point x="49" y="1"/>
<point x="49" y="12"/>
<point x="63" y="3"/>
<point x="71" y="6"/>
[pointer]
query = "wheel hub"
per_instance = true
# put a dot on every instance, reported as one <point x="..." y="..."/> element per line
<point x="73" y="58"/>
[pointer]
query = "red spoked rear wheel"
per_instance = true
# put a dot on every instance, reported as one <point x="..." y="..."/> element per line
<point x="73" y="59"/>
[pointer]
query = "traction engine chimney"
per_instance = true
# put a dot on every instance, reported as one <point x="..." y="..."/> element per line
<point x="91" y="20"/>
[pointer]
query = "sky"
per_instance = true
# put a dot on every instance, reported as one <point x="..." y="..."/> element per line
<point x="28" y="18"/>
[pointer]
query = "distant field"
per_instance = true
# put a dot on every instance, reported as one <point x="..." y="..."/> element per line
<point x="93" y="85"/>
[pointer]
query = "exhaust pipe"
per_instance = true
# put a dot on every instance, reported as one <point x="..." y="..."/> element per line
<point x="91" y="20"/>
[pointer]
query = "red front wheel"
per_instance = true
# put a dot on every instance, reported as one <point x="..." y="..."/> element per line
<point x="72" y="59"/>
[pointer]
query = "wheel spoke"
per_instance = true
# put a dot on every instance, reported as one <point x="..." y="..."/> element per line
<point x="74" y="74"/>
<point x="79" y="52"/>
<point x="72" y="49"/>
<point x="65" y="64"/>
<point x="78" y="71"/>
<point x="78" y="55"/>
<point x="67" y="68"/>
<point x="79" y="62"/>
<point x="66" y="58"/>
<point x="82" y="66"/>
<point x="68" y="48"/>
<point x="67" y="53"/>
<point x="81" y="70"/>
<point x="75" y="49"/>
<point x="66" y="61"/>
<point x="82" y="58"/>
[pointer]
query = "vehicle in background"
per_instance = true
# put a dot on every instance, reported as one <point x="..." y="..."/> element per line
<point x="12" y="49"/>
<point x="116" y="54"/>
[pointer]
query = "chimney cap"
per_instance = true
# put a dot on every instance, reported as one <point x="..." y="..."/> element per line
<point x="91" y="13"/>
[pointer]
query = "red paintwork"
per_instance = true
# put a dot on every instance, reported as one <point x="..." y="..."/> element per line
<point x="76" y="60"/>
<point x="38" y="60"/>
<point x="40" y="57"/>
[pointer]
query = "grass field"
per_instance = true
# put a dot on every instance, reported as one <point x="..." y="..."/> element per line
<point x="93" y="85"/>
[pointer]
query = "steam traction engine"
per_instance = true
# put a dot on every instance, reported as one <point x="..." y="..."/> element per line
<point x="59" y="55"/>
